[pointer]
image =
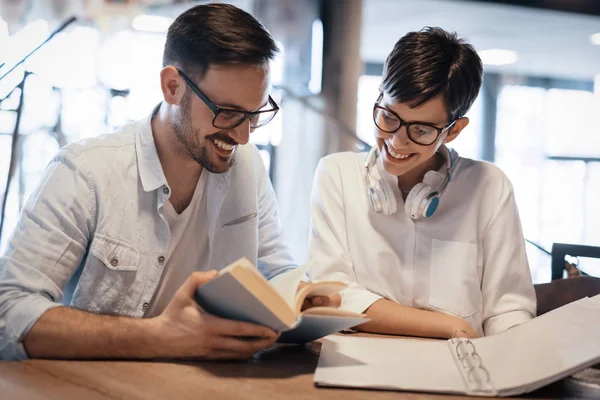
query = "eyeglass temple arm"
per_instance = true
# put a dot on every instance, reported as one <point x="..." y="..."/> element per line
<point x="192" y="86"/>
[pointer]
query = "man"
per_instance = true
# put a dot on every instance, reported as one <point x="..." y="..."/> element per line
<point x="128" y="225"/>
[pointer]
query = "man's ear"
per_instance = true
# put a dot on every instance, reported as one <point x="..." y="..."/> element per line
<point x="453" y="133"/>
<point x="172" y="85"/>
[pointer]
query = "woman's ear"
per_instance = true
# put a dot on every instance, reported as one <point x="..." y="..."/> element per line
<point x="453" y="133"/>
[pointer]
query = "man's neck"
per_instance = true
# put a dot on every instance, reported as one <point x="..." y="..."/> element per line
<point x="181" y="171"/>
<point x="407" y="181"/>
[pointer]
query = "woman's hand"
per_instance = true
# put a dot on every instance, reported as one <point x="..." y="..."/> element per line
<point x="334" y="300"/>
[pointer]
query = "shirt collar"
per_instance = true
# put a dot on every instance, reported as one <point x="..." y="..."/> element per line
<point x="149" y="166"/>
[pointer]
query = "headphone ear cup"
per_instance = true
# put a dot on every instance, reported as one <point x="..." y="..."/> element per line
<point x="430" y="206"/>
<point x="415" y="199"/>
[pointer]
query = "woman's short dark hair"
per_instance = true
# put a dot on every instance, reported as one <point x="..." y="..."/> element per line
<point x="433" y="62"/>
<point x="216" y="34"/>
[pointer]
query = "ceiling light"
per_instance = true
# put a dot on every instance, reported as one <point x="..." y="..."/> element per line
<point x="498" y="57"/>
<point x="595" y="39"/>
<point x="151" y="23"/>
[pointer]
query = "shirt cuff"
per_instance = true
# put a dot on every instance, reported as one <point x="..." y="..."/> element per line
<point x="357" y="299"/>
<point x="503" y="322"/>
<point x="18" y="321"/>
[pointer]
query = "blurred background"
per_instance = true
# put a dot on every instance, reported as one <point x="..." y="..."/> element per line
<point x="536" y="116"/>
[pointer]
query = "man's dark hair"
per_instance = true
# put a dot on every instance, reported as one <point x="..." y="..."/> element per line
<point x="433" y="62"/>
<point x="216" y="34"/>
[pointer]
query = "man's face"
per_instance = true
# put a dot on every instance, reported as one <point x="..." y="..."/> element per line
<point x="400" y="155"/>
<point x="240" y="87"/>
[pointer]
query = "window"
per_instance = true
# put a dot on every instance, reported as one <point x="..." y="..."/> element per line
<point x="91" y="94"/>
<point x="543" y="139"/>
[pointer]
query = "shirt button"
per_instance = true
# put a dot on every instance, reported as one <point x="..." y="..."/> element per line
<point x="161" y="259"/>
<point x="219" y="187"/>
<point x="145" y="306"/>
<point x="114" y="262"/>
<point x="165" y="190"/>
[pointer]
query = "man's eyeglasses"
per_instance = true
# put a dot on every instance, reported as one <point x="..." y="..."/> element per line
<point x="226" y="118"/>
<point x="418" y="132"/>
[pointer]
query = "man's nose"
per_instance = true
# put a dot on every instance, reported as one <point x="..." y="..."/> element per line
<point x="241" y="133"/>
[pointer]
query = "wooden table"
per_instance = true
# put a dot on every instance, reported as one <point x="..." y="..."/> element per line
<point x="278" y="373"/>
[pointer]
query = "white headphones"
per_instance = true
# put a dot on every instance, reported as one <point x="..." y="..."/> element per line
<point x="422" y="200"/>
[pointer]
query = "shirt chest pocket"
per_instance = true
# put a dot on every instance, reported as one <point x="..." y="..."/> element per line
<point x="236" y="239"/>
<point x="108" y="276"/>
<point x="115" y="254"/>
<point x="455" y="279"/>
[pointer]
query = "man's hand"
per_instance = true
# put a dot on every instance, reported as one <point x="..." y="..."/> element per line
<point x="334" y="300"/>
<point x="188" y="332"/>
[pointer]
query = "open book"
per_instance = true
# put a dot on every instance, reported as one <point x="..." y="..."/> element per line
<point x="520" y="360"/>
<point x="240" y="292"/>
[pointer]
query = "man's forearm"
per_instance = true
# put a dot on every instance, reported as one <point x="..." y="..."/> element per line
<point x="64" y="332"/>
<point x="392" y="318"/>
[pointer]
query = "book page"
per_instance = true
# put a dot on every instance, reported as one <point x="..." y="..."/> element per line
<point x="388" y="363"/>
<point x="287" y="283"/>
<point x="543" y="350"/>
<point x="318" y="289"/>
<point x="226" y="297"/>
<point x="333" y="312"/>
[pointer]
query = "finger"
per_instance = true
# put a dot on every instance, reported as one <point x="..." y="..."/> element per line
<point x="335" y="300"/>
<point x="227" y="327"/>
<point x="194" y="280"/>
<point x="319" y="301"/>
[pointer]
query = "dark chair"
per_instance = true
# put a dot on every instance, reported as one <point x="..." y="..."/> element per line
<point x="564" y="291"/>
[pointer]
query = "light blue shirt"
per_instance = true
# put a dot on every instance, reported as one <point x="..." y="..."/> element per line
<point x="94" y="235"/>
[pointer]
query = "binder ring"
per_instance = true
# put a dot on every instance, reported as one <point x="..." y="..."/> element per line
<point x="463" y="343"/>
<point x="471" y="362"/>
<point x="454" y="335"/>
<point x="472" y="378"/>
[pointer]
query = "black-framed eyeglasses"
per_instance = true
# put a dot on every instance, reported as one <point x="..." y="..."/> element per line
<point x="227" y="118"/>
<point x="421" y="133"/>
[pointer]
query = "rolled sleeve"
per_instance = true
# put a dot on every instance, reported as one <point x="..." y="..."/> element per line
<point x="357" y="299"/>
<point x="22" y="316"/>
<point x="44" y="251"/>
<point x="501" y="323"/>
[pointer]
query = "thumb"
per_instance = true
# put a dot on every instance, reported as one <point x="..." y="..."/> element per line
<point x="196" y="279"/>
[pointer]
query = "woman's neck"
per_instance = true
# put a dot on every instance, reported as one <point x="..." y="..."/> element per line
<point x="407" y="181"/>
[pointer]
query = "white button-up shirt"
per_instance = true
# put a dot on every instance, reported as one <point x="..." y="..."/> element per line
<point x="467" y="260"/>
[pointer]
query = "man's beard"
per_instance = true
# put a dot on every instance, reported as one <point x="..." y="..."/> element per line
<point x="189" y="145"/>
